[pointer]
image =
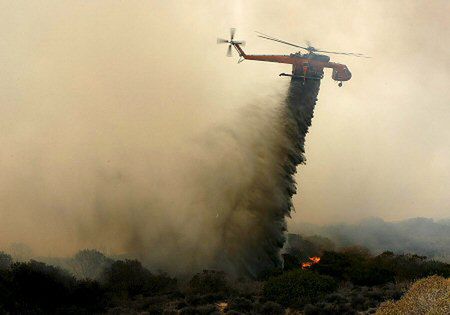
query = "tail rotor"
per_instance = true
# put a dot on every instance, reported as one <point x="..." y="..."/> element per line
<point x="231" y="42"/>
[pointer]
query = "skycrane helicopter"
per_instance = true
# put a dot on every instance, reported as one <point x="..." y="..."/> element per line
<point x="306" y="66"/>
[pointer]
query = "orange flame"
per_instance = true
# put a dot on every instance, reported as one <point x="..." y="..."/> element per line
<point x="313" y="260"/>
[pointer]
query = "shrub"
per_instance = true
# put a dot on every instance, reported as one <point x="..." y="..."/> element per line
<point x="268" y="273"/>
<point x="199" y="310"/>
<point x="199" y="299"/>
<point x="310" y="309"/>
<point x="129" y="278"/>
<point x="290" y="262"/>
<point x="5" y="261"/>
<point x="297" y="288"/>
<point x="38" y="284"/>
<point x="355" y="265"/>
<point x="89" y="264"/>
<point x="206" y="309"/>
<point x="20" y="251"/>
<point x="427" y="296"/>
<point x="89" y="295"/>
<point x="370" y="274"/>
<point x="271" y="308"/>
<point x="334" y="264"/>
<point x="241" y="305"/>
<point x="302" y="247"/>
<point x="246" y="287"/>
<point x="6" y="294"/>
<point x="409" y="267"/>
<point x="209" y="282"/>
<point x="35" y="287"/>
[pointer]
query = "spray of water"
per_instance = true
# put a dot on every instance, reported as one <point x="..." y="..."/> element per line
<point x="253" y="228"/>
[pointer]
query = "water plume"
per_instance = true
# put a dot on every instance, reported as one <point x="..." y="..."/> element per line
<point x="253" y="228"/>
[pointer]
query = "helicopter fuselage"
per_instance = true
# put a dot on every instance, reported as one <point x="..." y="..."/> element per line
<point x="304" y="66"/>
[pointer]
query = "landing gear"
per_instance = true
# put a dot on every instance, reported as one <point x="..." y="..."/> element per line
<point x="340" y="84"/>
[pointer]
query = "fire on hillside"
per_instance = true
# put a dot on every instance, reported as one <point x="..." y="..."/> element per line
<point x="312" y="261"/>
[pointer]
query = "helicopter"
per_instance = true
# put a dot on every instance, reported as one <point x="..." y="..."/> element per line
<point x="305" y="66"/>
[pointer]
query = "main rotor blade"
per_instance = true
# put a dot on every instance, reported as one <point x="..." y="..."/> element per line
<point x="221" y="41"/>
<point x="229" y="51"/>
<point x="278" y="40"/>
<point x="283" y="42"/>
<point x="232" y="32"/>
<point x="344" y="53"/>
<point x="265" y="36"/>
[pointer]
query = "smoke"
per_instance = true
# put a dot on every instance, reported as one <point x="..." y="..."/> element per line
<point x="239" y="194"/>
<point x="230" y="208"/>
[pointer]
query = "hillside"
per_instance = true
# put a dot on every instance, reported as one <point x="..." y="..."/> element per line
<point x="422" y="236"/>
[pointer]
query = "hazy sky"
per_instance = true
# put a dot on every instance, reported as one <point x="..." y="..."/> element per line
<point x="379" y="146"/>
<point x="92" y="87"/>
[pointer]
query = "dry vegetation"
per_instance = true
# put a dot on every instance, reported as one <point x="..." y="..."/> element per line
<point x="348" y="281"/>
<point x="430" y="295"/>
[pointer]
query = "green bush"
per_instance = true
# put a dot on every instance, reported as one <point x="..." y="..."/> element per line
<point x="355" y="265"/>
<point x="334" y="264"/>
<point x="358" y="266"/>
<point x="411" y="267"/>
<point x="297" y="288"/>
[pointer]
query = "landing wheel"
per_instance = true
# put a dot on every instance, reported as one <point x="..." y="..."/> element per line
<point x="340" y="84"/>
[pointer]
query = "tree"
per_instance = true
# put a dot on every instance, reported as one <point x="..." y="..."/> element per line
<point x="130" y="278"/>
<point x="5" y="261"/>
<point x="20" y="251"/>
<point x="89" y="264"/>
